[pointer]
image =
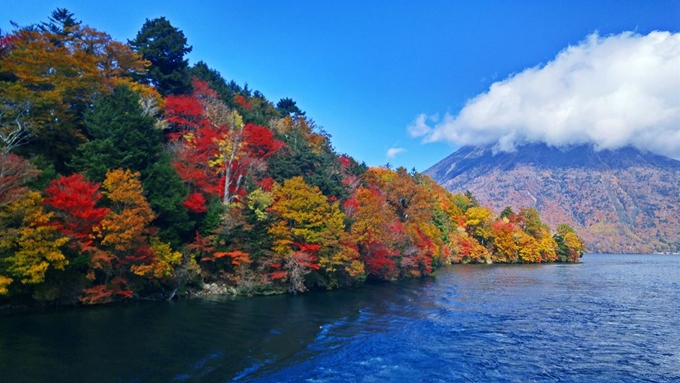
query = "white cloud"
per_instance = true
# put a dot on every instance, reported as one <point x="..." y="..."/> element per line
<point x="392" y="152"/>
<point x="610" y="91"/>
<point x="419" y="126"/>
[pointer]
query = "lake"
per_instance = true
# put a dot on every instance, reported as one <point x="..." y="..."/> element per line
<point x="608" y="318"/>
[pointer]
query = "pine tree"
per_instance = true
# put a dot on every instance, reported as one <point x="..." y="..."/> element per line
<point x="164" y="46"/>
<point x="122" y="137"/>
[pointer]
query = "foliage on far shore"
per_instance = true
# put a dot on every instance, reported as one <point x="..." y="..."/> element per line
<point x="124" y="174"/>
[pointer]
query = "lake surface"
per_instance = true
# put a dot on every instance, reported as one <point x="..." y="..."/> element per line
<point x="610" y="318"/>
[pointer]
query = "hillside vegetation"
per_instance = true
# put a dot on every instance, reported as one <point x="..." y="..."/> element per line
<point x="125" y="172"/>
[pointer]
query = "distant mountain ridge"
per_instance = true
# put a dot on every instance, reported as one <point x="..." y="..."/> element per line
<point x="620" y="200"/>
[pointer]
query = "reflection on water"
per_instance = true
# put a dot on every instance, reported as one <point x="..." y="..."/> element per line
<point x="611" y="318"/>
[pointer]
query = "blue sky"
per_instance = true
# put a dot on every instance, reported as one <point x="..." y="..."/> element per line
<point x="367" y="70"/>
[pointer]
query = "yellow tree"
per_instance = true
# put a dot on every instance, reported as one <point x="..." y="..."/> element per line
<point x="122" y="237"/>
<point x="505" y="247"/>
<point x="478" y="222"/>
<point x="307" y="231"/>
<point x="29" y="244"/>
<point x="124" y="228"/>
<point x="529" y="249"/>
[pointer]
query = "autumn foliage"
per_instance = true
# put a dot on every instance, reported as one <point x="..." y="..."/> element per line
<point x="259" y="199"/>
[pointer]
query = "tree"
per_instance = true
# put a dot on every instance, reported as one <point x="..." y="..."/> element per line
<point x="288" y="107"/>
<point x="167" y="194"/>
<point x="529" y="220"/>
<point x="306" y="231"/>
<point x="125" y="226"/>
<point x="29" y="244"/>
<point x="61" y="23"/>
<point x="15" y="172"/>
<point x="570" y="248"/>
<point x="307" y="153"/>
<point x="122" y="250"/>
<point x="507" y="212"/>
<point x="75" y="202"/>
<point x="478" y="222"/>
<point x="50" y="76"/>
<point x="472" y="200"/>
<point x="164" y="46"/>
<point x="377" y="230"/>
<point x="122" y="136"/>
<point x="215" y="81"/>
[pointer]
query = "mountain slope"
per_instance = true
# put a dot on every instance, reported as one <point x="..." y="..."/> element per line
<point x="619" y="201"/>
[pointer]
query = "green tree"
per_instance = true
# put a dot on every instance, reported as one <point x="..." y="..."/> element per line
<point x="216" y="82"/>
<point x="507" y="212"/>
<point x="62" y="23"/>
<point x="473" y="202"/>
<point x="288" y="107"/>
<point x="166" y="193"/>
<point x="122" y="137"/>
<point x="164" y="46"/>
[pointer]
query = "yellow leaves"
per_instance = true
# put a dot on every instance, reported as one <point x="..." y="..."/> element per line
<point x="258" y="201"/>
<point x="478" y="220"/>
<point x="477" y="215"/>
<point x="164" y="261"/>
<point x="4" y="282"/>
<point x="304" y="215"/>
<point x="190" y="139"/>
<point x="529" y="251"/>
<point x="35" y="245"/>
<point x="571" y="240"/>
<point x="236" y="120"/>
<point x="305" y="219"/>
<point x="345" y="258"/>
<point x="130" y="215"/>
<point x="372" y="217"/>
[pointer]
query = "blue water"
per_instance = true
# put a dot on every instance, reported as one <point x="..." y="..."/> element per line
<point x="611" y="318"/>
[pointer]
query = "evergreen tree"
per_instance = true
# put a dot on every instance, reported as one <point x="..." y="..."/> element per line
<point x="288" y="107"/>
<point x="61" y="23"/>
<point x="166" y="192"/>
<point x="203" y="72"/>
<point x="122" y="136"/>
<point x="164" y="46"/>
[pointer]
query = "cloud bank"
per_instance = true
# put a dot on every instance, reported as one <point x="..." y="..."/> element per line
<point x="611" y="92"/>
<point x="392" y="152"/>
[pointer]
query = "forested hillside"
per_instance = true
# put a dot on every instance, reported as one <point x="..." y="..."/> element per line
<point x="125" y="172"/>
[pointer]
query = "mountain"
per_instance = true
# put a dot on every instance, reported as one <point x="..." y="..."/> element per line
<point x="618" y="201"/>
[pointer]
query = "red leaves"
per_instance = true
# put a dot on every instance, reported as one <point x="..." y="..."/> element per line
<point x="75" y="198"/>
<point x="106" y="293"/>
<point x="195" y="202"/>
<point x="351" y="206"/>
<point x="7" y="43"/>
<point x="345" y="161"/>
<point x="202" y="89"/>
<point x="267" y="183"/>
<point x="379" y="261"/>
<point x="306" y="260"/>
<point x="185" y="112"/>
<point x="243" y="102"/>
<point x="237" y="257"/>
<point x="260" y="141"/>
